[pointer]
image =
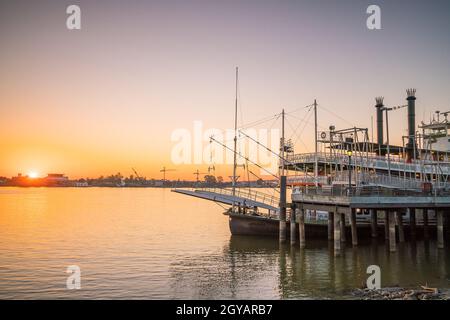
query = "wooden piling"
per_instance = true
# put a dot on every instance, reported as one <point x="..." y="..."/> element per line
<point x="412" y="222"/>
<point x="337" y="233"/>
<point x="440" y="229"/>
<point x="386" y="224"/>
<point x="282" y="228"/>
<point x="353" y="227"/>
<point x="293" y="236"/>
<point x="301" y="228"/>
<point x="330" y="225"/>
<point x="401" y="232"/>
<point x="392" y="240"/>
<point x="373" y="223"/>
<point x="425" y="223"/>
<point x="342" y="224"/>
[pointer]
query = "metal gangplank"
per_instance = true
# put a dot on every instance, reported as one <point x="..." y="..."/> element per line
<point x="243" y="197"/>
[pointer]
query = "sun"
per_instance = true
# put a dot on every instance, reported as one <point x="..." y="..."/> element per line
<point x="33" y="174"/>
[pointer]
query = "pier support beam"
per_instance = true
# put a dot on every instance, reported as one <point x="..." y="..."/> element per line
<point x="293" y="236"/>
<point x="425" y="223"/>
<point x="301" y="228"/>
<point x="412" y="222"/>
<point x="392" y="240"/>
<point x="386" y="224"/>
<point x="282" y="226"/>
<point x="401" y="232"/>
<point x="353" y="227"/>
<point x="342" y="224"/>
<point x="373" y="223"/>
<point x="440" y="229"/>
<point x="330" y="225"/>
<point x="337" y="233"/>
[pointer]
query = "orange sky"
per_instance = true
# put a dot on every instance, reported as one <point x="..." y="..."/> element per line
<point x="107" y="98"/>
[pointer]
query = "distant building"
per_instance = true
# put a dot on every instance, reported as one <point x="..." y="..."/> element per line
<point x="80" y="184"/>
<point x="56" y="179"/>
<point x="158" y="183"/>
<point x="51" y="180"/>
<point x="22" y="181"/>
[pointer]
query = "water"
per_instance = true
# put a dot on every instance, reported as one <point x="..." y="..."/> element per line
<point x="152" y="244"/>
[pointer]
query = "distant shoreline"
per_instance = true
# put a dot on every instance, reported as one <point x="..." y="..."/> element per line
<point x="134" y="187"/>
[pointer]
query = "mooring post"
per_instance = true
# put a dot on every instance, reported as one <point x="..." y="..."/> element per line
<point x="292" y="224"/>
<point x="401" y="232"/>
<point x="386" y="224"/>
<point x="330" y="225"/>
<point x="337" y="233"/>
<point x="440" y="229"/>
<point x="342" y="227"/>
<point x="373" y="223"/>
<point x="353" y="227"/>
<point x="392" y="240"/>
<point x="412" y="222"/>
<point x="301" y="228"/>
<point x="282" y="227"/>
<point x="425" y="223"/>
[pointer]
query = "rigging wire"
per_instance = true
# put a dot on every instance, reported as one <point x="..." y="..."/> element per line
<point x="260" y="121"/>
<point x="336" y="115"/>
<point x="264" y="182"/>
<point x="271" y="151"/>
<point x="242" y="156"/>
<point x="300" y="108"/>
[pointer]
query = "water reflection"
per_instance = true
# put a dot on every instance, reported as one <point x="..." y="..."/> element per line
<point x="257" y="267"/>
<point x="151" y="243"/>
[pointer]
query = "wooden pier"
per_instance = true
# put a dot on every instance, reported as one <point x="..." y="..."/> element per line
<point x="393" y="203"/>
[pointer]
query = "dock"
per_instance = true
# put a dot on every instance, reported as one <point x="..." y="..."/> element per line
<point x="364" y="188"/>
<point x="399" y="208"/>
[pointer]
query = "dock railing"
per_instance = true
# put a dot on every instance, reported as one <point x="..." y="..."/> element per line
<point x="368" y="191"/>
<point x="246" y="193"/>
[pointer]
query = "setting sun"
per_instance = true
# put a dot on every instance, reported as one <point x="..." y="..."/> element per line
<point x="33" y="174"/>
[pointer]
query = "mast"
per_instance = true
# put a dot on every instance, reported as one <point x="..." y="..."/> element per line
<point x="316" y="166"/>
<point x="282" y="142"/>
<point x="235" y="135"/>
<point x="282" y="223"/>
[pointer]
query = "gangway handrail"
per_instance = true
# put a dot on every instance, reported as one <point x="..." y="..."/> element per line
<point x="249" y="194"/>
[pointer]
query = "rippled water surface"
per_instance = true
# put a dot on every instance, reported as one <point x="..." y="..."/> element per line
<point x="152" y="243"/>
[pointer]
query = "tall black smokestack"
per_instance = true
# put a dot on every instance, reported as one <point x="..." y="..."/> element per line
<point x="410" y="146"/>
<point x="379" y="106"/>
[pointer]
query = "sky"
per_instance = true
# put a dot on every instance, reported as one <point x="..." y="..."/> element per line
<point x="108" y="97"/>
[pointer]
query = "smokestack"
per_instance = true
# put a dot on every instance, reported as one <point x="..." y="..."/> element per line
<point x="411" y="124"/>
<point x="379" y="106"/>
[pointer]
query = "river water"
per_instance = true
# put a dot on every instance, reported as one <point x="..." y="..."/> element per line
<point x="144" y="243"/>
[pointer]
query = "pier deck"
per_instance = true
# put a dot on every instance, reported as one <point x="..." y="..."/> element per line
<point x="342" y="204"/>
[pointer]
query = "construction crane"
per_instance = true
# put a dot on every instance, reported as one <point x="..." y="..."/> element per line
<point x="164" y="170"/>
<point x="198" y="173"/>
<point x="137" y="174"/>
